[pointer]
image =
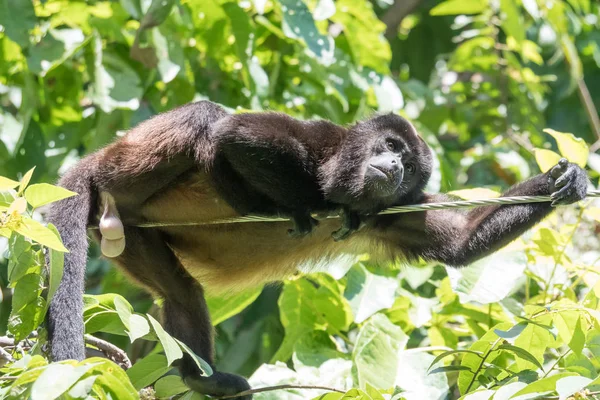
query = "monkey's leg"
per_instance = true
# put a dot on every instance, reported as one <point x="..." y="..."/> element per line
<point x="303" y="225"/>
<point x="185" y="314"/>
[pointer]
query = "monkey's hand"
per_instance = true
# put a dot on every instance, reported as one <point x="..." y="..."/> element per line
<point x="567" y="183"/>
<point x="350" y="223"/>
<point x="303" y="225"/>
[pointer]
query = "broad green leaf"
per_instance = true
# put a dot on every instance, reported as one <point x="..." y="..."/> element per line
<point x="570" y="385"/>
<point x="157" y="13"/>
<point x="170" y="346"/>
<point x="535" y="340"/>
<point x="56" y="379"/>
<point x="546" y="159"/>
<point x="40" y="194"/>
<point x="568" y="323"/>
<point x="376" y="350"/>
<point x="297" y="315"/>
<point x="17" y="18"/>
<point x="226" y="306"/>
<point x="56" y="267"/>
<point x="25" y="180"/>
<point x="331" y="303"/>
<point x="454" y="7"/>
<point x="138" y="327"/>
<point x="573" y="148"/>
<point x="34" y="230"/>
<point x="27" y="289"/>
<point x="146" y="371"/>
<point x="170" y="386"/>
<point x="512" y="22"/>
<point x="521" y="353"/>
<point x="490" y="279"/>
<point x="513" y="332"/>
<point x="112" y="379"/>
<point x="413" y="378"/>
<point x="27" y="319"/>
<point x="544" y="385"/>
<point x="6" y="183"/>
<point x="368" y="293"/>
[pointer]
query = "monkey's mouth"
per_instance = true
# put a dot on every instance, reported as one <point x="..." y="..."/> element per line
<point x="381" y="172"/>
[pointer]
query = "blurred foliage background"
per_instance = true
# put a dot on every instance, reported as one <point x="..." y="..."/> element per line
<point x="480" y="80"/>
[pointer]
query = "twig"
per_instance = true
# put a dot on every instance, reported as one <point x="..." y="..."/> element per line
<point x="110" y="350"/>
<point x="6" y="355"/>
<point x="278" y="387"/>
<point x="482" y="363"/>
<point x="590" y="109"/>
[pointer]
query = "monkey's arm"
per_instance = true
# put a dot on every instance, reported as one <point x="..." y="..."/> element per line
<point x="457" y="238"/>
<point x="264" y="154"/>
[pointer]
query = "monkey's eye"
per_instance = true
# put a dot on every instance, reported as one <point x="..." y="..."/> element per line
<point x="390" y="145"/>
<point x="410" y="168"/>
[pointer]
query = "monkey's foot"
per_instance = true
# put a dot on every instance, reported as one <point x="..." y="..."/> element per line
<point x="350" y="224"/>
<point x="303" y="225"/>
<point x="219" y="384"/>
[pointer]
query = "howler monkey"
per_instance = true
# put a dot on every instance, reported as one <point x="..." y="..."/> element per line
<point x="161" y="171"/>
<point x="294" y="167"/>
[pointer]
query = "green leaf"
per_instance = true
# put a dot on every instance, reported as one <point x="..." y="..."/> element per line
<point x="157" y="13"/>
<point x="450" y="368"/>
<point x="6" y="183"/>
<point x="297" y="315"/>
<point x="546" y="159"/>
<point x="376" y="350"/>
<point x="454" y="7"/>
<point x="17" y="18"/>
<point x="170" y="386"/>
<point x="524" y="354"/>
<point x="544" y="385"/>
<point x="170" y="346"/>
<point x="112" y="380"/>
<point x="568" y="323"/>
<point x="368" y="293"/>
<point x="450" y="352"/>
<point x="512" y="23"/>
<point x="570" y="385"/>
<point x="39" y="233"/>
<point x="146" y="371"/>
<point x="226" y="306"/>
<point x="25" y="180"/>
<point x="56" y="379"/>
<point x="513" y="332"/>
<point x="573" y="148"/>
<point x="535" y="339"/>
<point x="56" y="267"/>
<point x="298" y="23"/>
<point x="40" y="194"/>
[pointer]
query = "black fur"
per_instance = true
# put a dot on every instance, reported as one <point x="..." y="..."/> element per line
<point x="268" y="163"/>
<point x="293" y="167"/>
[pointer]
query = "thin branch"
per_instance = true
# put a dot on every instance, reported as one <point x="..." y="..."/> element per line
<point x="590" y="109"/>
<point x="5" y="355"/>
<point x="278" y="387"/>
<point x="112" y="352"/>
<point x="482" y="363"/>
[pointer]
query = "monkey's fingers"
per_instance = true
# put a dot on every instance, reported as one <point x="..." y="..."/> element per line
<point x="559" y="168"/>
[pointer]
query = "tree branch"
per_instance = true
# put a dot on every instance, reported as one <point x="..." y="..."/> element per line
<point x="111" y="351"/>
<point x="278" y="387"/>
